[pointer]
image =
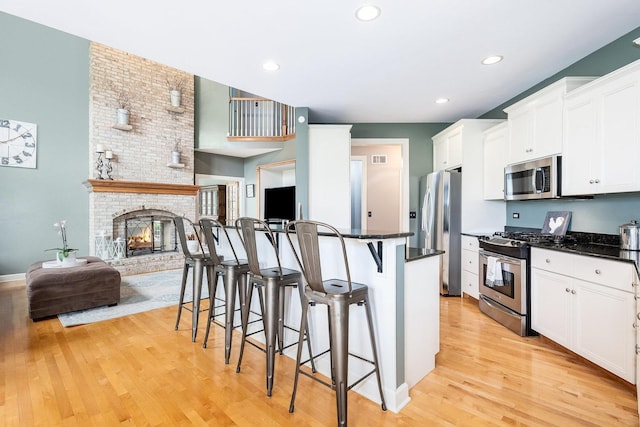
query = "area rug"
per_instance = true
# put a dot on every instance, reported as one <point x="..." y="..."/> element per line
<point x="138" y="293"/>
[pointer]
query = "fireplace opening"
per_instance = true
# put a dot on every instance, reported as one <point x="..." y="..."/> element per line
<point x="148" y="234"/>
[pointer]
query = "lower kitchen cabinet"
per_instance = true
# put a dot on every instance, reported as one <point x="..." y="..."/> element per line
<point x="592" y="319"/>
<point x="470" y="279"/>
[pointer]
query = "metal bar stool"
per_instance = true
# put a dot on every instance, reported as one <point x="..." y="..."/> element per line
<point x="271" y="282"/>
<point x="338" y="295"/>
<point x="234" y="273"/>
<point x="198" y="260"/>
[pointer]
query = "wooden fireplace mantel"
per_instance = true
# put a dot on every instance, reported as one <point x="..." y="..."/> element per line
<point x="115" y="186"/>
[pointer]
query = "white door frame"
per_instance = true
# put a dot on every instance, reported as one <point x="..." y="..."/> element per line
<point x="363" y="192"/>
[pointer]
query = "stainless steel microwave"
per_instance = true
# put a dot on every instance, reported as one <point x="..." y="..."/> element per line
<point x="536" y="179"/>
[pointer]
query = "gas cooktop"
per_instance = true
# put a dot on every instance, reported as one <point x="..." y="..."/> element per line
<point x="516" y="244"/>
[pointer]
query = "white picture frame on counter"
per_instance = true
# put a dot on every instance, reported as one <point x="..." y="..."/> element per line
<point x="556" y="223"/>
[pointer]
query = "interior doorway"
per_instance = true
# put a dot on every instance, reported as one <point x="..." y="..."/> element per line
<point x="232" y="185"/>
<point x="386" y="205"/>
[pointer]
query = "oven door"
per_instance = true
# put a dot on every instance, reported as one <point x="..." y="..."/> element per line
<point x="512" y="292"/>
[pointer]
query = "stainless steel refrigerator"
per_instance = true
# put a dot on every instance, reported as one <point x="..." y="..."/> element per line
<point x="440" y="194"/>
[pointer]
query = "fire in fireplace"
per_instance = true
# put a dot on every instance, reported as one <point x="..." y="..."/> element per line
<point x="150" y="234"/>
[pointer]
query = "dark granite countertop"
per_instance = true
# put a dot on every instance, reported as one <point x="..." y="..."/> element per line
<point x="414" y="254"/>
<point x="353" y="233"/>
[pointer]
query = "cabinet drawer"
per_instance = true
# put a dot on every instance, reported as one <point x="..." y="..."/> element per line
<point x="554" y="261"/>
<point x="470" y="261"/>
<point x="614" y="274"/>
<point x="470" y="284"/>
<point x="471" y="243"/>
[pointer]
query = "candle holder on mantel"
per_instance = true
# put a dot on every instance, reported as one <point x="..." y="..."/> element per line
<point x="103" y="164"/>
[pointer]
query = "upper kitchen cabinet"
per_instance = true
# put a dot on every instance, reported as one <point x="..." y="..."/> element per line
<point x="535" y="122"/>
<point x="495" y="159"/>
<point x="601" y="147"/>
<point x="477" y="215"/>
<point x="447" y="149"/>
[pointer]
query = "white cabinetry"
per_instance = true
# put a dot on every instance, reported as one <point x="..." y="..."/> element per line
<point x="587" y="305"/>
<point x="470" y="248"/>
<point x="495" y="160"/>
<point x="601" y="147"/>
<point x="447" y="150"/>
<point x="535" y="122"/>
<point x="477" y="214"/>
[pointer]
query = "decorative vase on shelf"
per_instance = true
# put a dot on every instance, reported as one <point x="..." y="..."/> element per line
<point x="123" y="116"/>
<point x="176" y="98"/>
<point x="175" y="157"/>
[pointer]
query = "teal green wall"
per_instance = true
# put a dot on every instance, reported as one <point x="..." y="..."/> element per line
<point x="44" y="79"/>
<point x="603" y="213"/>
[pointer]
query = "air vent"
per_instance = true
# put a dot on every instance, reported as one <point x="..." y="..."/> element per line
<point x="379" y="159"/>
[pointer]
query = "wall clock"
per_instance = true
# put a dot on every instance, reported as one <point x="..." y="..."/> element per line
<point x="18" y="144"/>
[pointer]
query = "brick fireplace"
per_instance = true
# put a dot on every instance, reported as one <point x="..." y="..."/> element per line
<point x="145" y="180"/>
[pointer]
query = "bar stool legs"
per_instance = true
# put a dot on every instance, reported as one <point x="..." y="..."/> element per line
<point x="338" y="313"/>
<point x="231" y="278"/>
<point x="183" y="287"/>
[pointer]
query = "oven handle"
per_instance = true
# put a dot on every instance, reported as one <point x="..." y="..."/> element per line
<point x="503" y="259"/>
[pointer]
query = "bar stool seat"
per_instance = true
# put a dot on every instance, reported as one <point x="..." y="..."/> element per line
<point x="199" y="261"/>
<point x="271" y="283"/>
<point x="338" y="295"/>
<point x="234" y="273"/>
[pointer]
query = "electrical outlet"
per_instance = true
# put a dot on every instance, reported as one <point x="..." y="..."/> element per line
<point x="412" y="215"/>
<point x="516" y="215"/>
<point x="369" y="214"/>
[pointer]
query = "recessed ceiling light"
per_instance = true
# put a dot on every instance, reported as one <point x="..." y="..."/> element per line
<point x="493" y="59"/>
<point x="368" y="12"/>
<point x="637" y="42"/>
<point x="442" y="100"/>
<point x="270" y="66"/>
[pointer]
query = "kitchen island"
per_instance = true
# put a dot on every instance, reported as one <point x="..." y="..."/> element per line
<point x="403" y="290"/>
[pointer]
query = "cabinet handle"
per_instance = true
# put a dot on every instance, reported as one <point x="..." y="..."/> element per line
<point x="567" y="290"/>
<point x="635" y="325"/>
<point x="548" y="261"/>
<point x="638" y="316"/>
<point x="597" y="181"/>
<point x="573" y="291"/>
<point x="598" y="271"/>
<point x="590" y="181"/>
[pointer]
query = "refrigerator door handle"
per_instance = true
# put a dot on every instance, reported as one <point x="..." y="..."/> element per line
<point x="426" y="213"/>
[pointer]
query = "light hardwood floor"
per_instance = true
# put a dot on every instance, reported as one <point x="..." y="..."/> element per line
<point x="138" y="371"/>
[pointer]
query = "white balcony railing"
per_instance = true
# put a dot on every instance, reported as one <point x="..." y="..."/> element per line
<point x="260" y="119"/>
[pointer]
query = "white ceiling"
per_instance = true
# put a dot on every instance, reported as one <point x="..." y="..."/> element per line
<point x="347" y="71"/>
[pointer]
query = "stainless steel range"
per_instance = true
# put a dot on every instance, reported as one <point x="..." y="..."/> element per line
<point x="504" y="274"/>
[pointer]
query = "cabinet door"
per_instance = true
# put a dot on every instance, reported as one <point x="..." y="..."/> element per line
<point x="521" y="127"/>
<point x="439" y="154"/>
<point x="454" y="147"/>
<point x="579" y="167"/>
<point x="619" y="149"/>
<point x="550" y="305"/>
<point x="604" y="327"/>
<point x="548" y="126"/>
<point x="494" y="161"/>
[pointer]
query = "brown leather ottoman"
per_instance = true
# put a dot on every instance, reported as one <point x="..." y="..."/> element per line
<point x="52" y="291"/>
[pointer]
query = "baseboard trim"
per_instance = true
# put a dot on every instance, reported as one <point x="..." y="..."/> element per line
<point x="12" y="277"/>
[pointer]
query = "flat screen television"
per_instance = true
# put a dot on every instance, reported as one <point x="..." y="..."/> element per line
<point x="280" y="203"/>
